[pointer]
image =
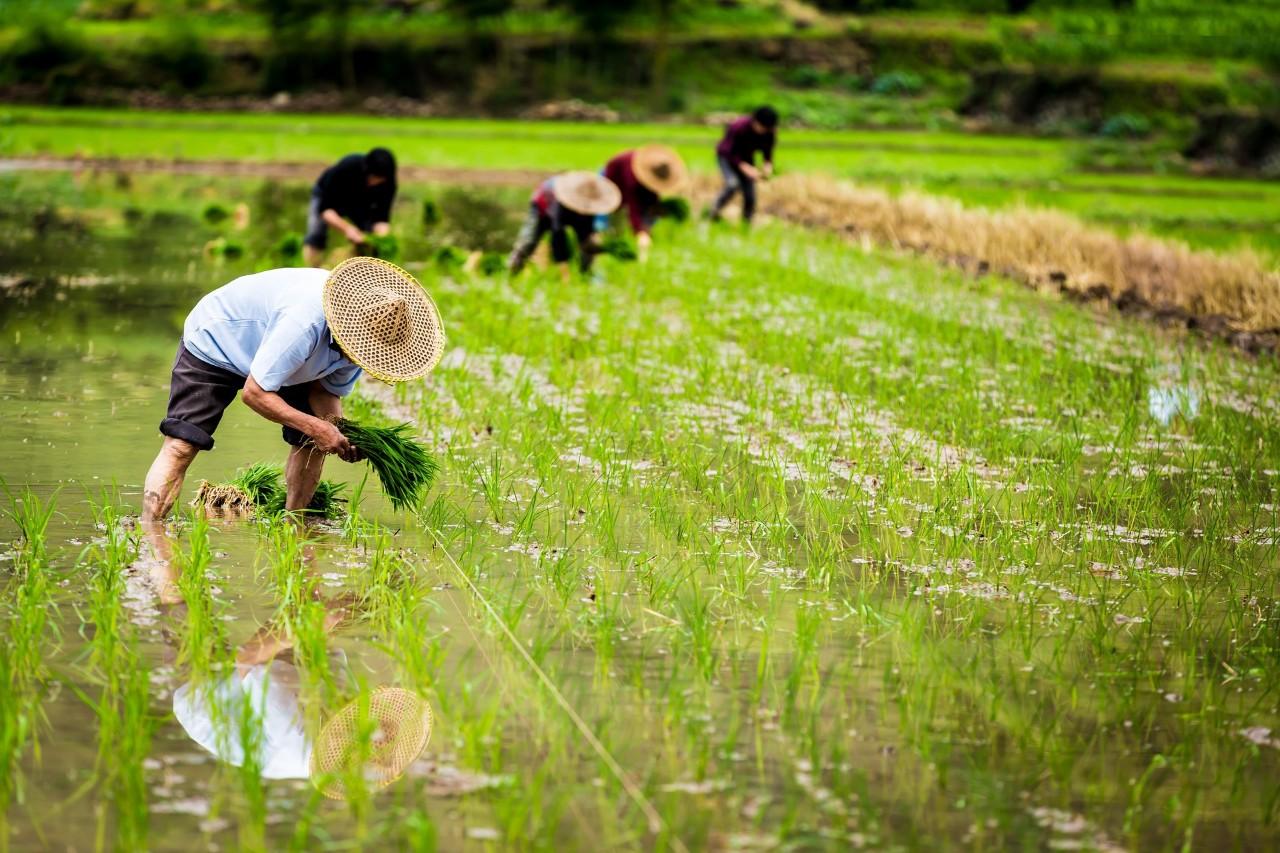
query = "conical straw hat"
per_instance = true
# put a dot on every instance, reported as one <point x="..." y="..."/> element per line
<point x="660" y="169"/>
<point x="383" y="319"/>
<point x="403" y="721"/>
<point x="586" y="192"/>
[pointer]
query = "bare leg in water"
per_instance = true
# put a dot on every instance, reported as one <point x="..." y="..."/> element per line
<point x="302" y="473"/>
<point x="305" y="465"/>
<point x="164" y="480"/>
<point x="159" y="493"/>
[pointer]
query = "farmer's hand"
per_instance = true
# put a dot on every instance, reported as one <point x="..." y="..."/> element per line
<point x="643" y="242"/>
<point x="750" y="171"/>
<point x="355" y="235"/>
<point x="767" y="172"/>
<point x="327" y="438"/>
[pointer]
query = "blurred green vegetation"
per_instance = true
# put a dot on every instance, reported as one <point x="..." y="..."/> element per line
<point x="1117" y="69"/>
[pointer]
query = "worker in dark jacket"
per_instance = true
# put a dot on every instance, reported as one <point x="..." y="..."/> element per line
<point x="564" y="203"/>
<point x="646" y="176"/>
<point x="354" y="196"/>
<point x="736" y="155"/>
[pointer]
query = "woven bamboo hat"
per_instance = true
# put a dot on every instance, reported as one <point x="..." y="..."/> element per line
<point x="586" y="192"/>
<point x="660" y="169"/>
<point x="401" y="726"/>
<point x="383" y="319"/>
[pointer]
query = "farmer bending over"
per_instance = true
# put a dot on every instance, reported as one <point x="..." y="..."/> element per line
<point x="354" y="196"/>
<point x="736" y="155"/>
<point x="295" y="341"/>
<point x="564" y="203"/>
<point x="645" y="176"/>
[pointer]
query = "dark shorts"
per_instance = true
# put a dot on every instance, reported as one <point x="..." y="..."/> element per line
<point x="200" y="392"/>
<point x="317" y="229"/>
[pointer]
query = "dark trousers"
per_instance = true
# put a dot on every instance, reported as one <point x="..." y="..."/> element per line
<point x="536" y="225"/>
<point x="735" y="181"/>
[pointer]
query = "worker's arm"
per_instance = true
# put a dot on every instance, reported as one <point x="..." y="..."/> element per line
<point x="326" y="437"/>
<point x="268" y="642"/>
<point x="382" y="229"/>
<point x="335" y="220"/>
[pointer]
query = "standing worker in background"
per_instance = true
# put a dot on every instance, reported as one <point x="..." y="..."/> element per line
<point x="354" y="196"/>
<point x="564" y="203"/>
<point x="736" y="155"/>
<point x="646" y="176"/>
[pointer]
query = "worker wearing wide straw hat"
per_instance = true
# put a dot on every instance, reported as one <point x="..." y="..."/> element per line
<point x="295" y="341"/>
<point x="646" y="175"/>
<point x="564" y="203"/>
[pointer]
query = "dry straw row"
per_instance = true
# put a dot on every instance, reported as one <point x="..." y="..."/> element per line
<point x="1043" y="248"/>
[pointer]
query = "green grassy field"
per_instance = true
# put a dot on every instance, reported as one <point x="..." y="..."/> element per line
<point x="985" y="170"/>
<point x="827" y="548"/>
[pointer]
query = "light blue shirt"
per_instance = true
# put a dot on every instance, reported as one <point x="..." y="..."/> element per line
<point x="271" y="326"/>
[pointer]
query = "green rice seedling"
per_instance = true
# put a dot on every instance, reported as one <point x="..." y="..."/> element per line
<point x="289" y="247"/>
<point x="203" y="639"/>
<point x="246" y="726"/>
<point x="260" y="487"/>
<point x="385" y="246"/>
<point x="23" y="669"/>
<point x="405" y="468"/>
<point x="263" y="484"/>
<point x="676" y="209"/>
<point x="492" y="264"/>
<point x="214" y="213"/>
<point x="492" y="485"/>
<point x="621" y="247"/>
<point x="449" y="259"/>
<point x="125" y="723"/>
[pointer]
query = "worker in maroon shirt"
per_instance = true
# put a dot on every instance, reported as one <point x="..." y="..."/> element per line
<point x="645" y="175"/>
<point x="736" y="154"/>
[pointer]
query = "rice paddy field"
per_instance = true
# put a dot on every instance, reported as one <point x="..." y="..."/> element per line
<point x="776" y="542"/>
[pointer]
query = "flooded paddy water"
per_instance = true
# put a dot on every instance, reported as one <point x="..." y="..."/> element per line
<point x="773" y="543"/>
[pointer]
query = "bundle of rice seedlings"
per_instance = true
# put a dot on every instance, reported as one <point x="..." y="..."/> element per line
<point x="221" y="497"/>
<point x="263" y="484"/>
<point x="384" y="246"/>
<point x="328" y="499"/>
<point x="260" y="487"/>
<point x="404" y="466"/>
<point x="621" y="247"/>
<point x="676" y="209"/>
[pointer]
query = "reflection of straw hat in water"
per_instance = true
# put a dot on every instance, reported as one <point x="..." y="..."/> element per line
<point x="586" y="192"/>
<point x="660" y="169"/>
<point x="399" y="726"/>
<point x="383" y="319"/>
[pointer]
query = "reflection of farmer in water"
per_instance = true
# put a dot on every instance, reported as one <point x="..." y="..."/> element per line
<point x="646" y="176"/>
<point x="736" y="155"/>
<point x="255" y="710"/>
<point x="295" y="341"/>
<point x="264" y="687"/>
<point x="253" y="715"/>
<point x="354" y="196"/>
<point x="564" y="203"/>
